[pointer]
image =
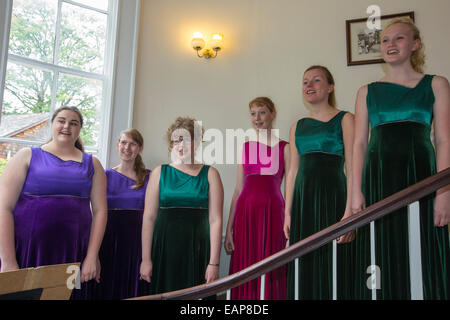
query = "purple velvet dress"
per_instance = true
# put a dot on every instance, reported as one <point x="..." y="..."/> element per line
<point x="120" y="254"/>
<point x="259" y="219"/>
<point x="52" y="217"/>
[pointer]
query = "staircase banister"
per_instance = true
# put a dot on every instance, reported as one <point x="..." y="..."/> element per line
<point x="374" y="212"/>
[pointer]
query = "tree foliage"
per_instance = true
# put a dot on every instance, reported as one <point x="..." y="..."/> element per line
<point x="33" y="35"/>
<point x="3" y="163"/>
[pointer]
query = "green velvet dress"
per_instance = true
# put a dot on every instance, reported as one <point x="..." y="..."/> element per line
<point x="181" y="241"/>
<point x="399" y="154"/>
<point x="319" y="200"/>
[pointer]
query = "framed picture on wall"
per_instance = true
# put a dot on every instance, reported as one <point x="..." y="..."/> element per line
<point x="363" y="43"/>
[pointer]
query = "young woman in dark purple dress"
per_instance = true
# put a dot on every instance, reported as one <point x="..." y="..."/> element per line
<point x="120" y="253"/>
<point x="46" y="195"/>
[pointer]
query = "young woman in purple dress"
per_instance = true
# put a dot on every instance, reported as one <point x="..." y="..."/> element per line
<point x="120" y="253"/>
<point x="46" y="195"/>
<point x="255" y="224"/>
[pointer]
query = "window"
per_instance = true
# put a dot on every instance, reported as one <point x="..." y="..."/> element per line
<point x="60" y="53"/>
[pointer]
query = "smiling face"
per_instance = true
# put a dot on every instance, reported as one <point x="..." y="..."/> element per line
<point x="261" y="117"/>
<point x="398" y="43"/>
<point x="128" y="148"/>
<point x="316" y="88"/>
<point x="66" y="127"/>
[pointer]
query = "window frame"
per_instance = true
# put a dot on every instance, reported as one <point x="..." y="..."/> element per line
<point x="118" y="76"/>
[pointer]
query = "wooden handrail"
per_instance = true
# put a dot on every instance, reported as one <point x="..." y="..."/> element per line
<point x="374" y="212"/>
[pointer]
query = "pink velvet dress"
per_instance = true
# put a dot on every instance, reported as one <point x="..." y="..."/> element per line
<point x="258" y="220"/>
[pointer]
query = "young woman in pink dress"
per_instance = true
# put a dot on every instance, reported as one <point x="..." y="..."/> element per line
<point x="255" y="224"/>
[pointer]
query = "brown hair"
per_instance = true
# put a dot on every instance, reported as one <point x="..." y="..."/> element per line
<point x="185" y="123"/>
<point x="418" y="56"/>
<point x="330" y="80"/>
<point x="78" y="143"/>
<point x="139" y="166"/>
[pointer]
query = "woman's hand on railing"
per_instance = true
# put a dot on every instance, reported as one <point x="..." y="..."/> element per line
<point x="358" y="202"/>
<point x="346" y="238"/>
<point x="229" y="243"/>
<point x="442" y="209"/>
<point x="146" y="270"/>
<point x="350" y="236"/>
<point x="212" y="273"/>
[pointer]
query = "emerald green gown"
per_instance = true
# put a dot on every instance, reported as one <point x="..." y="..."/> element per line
<point x="181" y="241"/>
<point x="399" y="154"/>
<point x="319" y="200"/>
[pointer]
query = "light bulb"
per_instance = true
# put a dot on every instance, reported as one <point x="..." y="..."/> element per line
<point x="216" y="42"/>
<point x="197" y="41"/>
<point x="197" y="35"/>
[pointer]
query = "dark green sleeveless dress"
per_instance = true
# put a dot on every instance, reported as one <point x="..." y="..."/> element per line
<point x="181" y="241"/>
<point x="319" y="200"/>
<point x="399" y="154"/>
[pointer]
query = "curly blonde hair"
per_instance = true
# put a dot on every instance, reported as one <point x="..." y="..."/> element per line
<point x="418" y="56"/>
<point x="187" y="124"/>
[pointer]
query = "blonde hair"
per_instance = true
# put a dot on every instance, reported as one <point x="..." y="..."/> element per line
<point x="330" y="80"/>
<point x="139" y="166"/>
<point x="418" y="56"/>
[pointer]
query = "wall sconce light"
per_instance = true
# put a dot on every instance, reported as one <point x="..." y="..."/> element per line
<point x="198" y="43"/>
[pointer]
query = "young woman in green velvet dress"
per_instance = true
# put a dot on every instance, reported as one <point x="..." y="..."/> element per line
<point x="182" y="223"/>
<point x="400" y="109"/>
<point x="316" y="184"/>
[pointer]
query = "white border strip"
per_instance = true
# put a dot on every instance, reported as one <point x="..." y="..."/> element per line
<point x="415" y="252"/>
<point x="263" y="287"/>
<point x="297" y="270"/>
<point x="372" y="259"/>
<point x="5" y="15"/>
<point x="334" y="269"/>
<point x="133" y="64"/>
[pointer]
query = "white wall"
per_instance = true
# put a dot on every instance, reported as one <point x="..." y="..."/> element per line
<point x="121" y="116"/>
<point x="268" y="45"/>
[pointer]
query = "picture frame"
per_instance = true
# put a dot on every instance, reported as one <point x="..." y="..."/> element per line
<point x="363" y="44"/>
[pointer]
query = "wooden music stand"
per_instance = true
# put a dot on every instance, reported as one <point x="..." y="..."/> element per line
<point x="41" y="283"/>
